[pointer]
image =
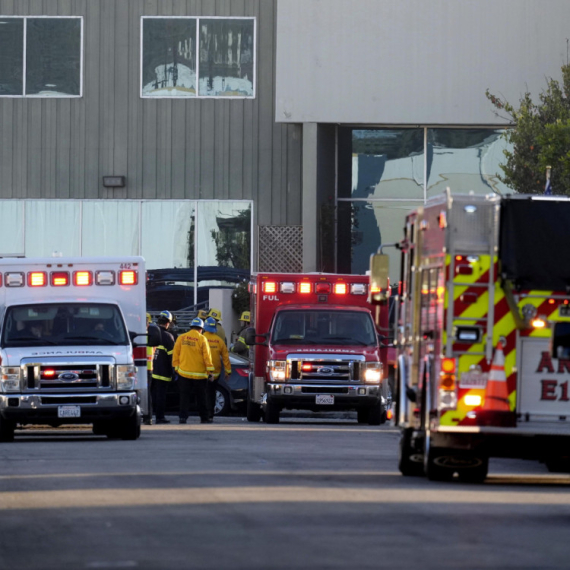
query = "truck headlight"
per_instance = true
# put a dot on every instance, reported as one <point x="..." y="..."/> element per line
<point x="10" y="378"/>
<point x="373" y="372"/>
<point x="126" y="377"/>
<point x="277" y="370"/>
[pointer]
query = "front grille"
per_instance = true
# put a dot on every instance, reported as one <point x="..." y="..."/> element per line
<point x="74" y="377"/>
<point x="328" y="390"/>
<point x="55" y="400"/>
<point x="325" y="370"/>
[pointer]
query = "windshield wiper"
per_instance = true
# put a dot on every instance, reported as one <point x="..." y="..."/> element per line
<point x="26" y="338"/>
<point x="347" y="340"/>
<point x="294" y="341"/>
<point x="95" y="338"/>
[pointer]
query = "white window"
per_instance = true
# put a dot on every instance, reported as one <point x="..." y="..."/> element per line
<point x="41" y="56"/>
<point x="197" y="57"/>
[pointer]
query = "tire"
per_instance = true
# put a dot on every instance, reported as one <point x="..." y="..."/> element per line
<point x="475" y="474"/>
<point x="222" y="402"/>
<point x="362" y="415"/>
<point x="253" y="412"/>
<point x="558" y="464"/>
<point x="99" y="428"/>
<point x="410" y="462"/>
<point x="435" y="467"/>
<point x="376" y="415"/>
<point x="6" y="430"/>
<point x="272" y="412"/>
<point x="128" y="429"/>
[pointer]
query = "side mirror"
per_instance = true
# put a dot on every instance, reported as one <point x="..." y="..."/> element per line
<point x="250" y="337"/>
<point x="560" y="341"/>
<point x="379" y="280"/>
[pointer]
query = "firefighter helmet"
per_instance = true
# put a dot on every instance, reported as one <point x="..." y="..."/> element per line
<point x="245" y="316"/>
<point x="216" y="313"/>
<point x="203" y="314"/>
<point x="210" y="325"/>
<point x="166" y="315"/>
<point x="197" y="322"/>
<point x="148" y="318"/>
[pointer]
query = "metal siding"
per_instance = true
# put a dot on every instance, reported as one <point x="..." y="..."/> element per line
<point x="412" y="61"/>
<point x="61" y="148"/>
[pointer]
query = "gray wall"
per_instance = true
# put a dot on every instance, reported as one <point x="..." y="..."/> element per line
<point x="222" y="149"/>
<point x="413" y="61"/>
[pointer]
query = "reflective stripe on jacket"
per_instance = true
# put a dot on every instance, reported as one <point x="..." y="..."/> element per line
<point x="149" y="357"/>
<point x="192" y="357"/>
<point x="162" y="366"/>
<point x="219" y="352"/>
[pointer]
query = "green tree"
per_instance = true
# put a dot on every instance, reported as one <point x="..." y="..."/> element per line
<point x="540" y="137"/>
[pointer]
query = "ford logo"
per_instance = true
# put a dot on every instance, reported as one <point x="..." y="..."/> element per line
<point x="68" y="376"/>
<point x="325" y="370"/>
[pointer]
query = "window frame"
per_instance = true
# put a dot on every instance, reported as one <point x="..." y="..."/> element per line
<point x="25" y="51"/>
<point x="197" y="96"/>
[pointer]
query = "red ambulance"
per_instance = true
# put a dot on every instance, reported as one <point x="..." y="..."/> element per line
<point x="315" y="347"/>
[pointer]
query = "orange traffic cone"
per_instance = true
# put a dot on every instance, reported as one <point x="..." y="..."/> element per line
<point x="496" y="396"/>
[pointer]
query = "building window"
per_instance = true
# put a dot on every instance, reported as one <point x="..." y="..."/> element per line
<point x="197" y="57"/>
<point x="41" y="56"/>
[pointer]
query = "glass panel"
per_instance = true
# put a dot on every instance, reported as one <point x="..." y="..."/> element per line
<point x="53" y="226"/>
<point x="12" y="227"/>
<point x="168" y="234"/>
<point x="53" y="56"/>
<point x="387" y="163"/>
<point x="226" y="58"/>
<point x="110" y="227"/>
<point x="169" y="57"/>
<point x="366" y="226"/>
<point x="465" y="160"/>
<point x="224" y="234"/>
<point x="11" y="56"/>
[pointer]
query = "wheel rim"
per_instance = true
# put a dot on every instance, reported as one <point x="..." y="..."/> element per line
<point x="220" y="402"/>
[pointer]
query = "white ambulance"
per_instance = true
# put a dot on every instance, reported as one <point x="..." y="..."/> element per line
<point x="73" y="344"/>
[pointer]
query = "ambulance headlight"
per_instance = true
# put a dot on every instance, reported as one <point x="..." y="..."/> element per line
<point x="10" y="379"/>
<point x="126" y="377"/>
<point x="373" y="372"/>
<point x="277" y="370"/>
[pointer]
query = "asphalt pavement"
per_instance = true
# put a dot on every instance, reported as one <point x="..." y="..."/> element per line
<point x="307" y="493"/>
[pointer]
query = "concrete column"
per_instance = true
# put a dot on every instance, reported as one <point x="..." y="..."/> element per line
<point x="310" y="197"/>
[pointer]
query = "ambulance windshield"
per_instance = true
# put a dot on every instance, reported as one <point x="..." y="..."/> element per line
<point x="63" y="324"/>
<point x="324" y="327"/>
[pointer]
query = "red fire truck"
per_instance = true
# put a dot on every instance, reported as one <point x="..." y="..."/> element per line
<point x="483" y="334"/>
<point x="316" y="347"/>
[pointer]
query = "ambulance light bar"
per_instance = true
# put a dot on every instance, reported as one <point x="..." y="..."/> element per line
<point x="308" y="287"/>
<point x="64" y="279"/>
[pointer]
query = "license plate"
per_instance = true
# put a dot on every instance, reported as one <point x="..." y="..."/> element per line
<point x="69" y="411"/>
<point x="324" y="399"/>
<point x="473" y="379"/>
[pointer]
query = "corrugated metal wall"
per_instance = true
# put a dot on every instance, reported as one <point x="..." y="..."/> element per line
<point x="223" y="149"/>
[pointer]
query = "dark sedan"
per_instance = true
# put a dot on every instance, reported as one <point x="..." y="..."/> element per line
<point x="231" y="394"/>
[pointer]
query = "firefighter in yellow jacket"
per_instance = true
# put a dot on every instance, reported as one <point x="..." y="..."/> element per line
<point x="220" y="355"/>
<point x="193" y="363"/>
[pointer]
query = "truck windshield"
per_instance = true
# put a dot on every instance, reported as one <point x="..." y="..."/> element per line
<point x="324" y="327"/>
<point x="63" y="324"/>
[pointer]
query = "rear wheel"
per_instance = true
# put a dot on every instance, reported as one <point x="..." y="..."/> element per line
<point x="410" y="462"/>
<point x="253" y="412"/>
<point x="6" y="430"/>
<point x="437" y="468"/>
<point x="272" y="412"/>
<point x="475" y="470"/>
<point x="222" y="402"/>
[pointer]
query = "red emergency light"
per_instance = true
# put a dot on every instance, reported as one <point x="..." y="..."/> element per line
<point x="323" y="288"/>
<point x="83" y="278"/>
<point x="48" y="373"/>
<point x="340" y="288"/>
<point x="306" y="367"/>
<point x="128" y="277"/>
<point x="37" y="279"/>
<point x="305" y="287"/>
<point x="269" y="287"/>
<point x="59" y="278"/>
